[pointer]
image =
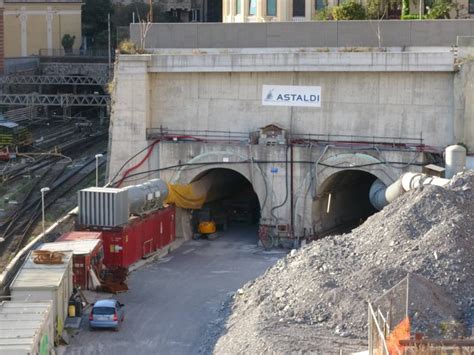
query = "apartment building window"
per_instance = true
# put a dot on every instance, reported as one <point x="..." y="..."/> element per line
<point x="238" y="7"/>
<point x="320" y="4"/>
<point x="195" y="15"/>
<point x="271" y="7"/>
<point x="253" y="7"/>
<point x="299" y="8"/>
<point x="471" y="6"/>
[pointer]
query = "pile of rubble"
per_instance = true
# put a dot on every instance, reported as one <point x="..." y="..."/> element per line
<point x="315" y="299"/>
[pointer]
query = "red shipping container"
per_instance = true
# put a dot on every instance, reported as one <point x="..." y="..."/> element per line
<point x="142" y="236"/>
<point x="87" y="254"/>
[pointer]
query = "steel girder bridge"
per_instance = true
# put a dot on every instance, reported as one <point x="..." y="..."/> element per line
<point x="52" y="80"/>
<point x="64" y="100"/>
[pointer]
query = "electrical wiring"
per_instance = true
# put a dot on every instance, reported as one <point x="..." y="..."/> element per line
<point x="263" y="162"/>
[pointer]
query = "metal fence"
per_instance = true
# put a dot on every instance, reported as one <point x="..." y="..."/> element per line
<point x="378" y="332"/>
<point x="21" y="65"/>
<point x="76" y="52"/>
<point x="416" y="316"/>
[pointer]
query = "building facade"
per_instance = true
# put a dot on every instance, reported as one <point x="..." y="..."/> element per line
<point x="272" y="10"/>
<point x="305" y="10"/>
<point x="32" y="25"/>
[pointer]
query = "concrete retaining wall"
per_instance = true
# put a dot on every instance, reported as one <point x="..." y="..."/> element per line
<point x="362" y="104"/>
<point x="393" y="33"/>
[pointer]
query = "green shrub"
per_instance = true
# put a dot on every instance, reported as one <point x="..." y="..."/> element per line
<point x="324" y="14"/>
<point x="349" y="10"/>
<point x="405" y="8"/>
<point x="128" y="47"/>
<point x="412" y="17"/>
<point x="440" y="10"/>
<point x="68" y="42"/>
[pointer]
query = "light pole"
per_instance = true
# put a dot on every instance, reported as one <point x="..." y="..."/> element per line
<point x="97" y="157"/>
<point x="43" y="191"/>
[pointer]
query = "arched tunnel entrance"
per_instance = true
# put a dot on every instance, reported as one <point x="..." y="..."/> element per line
<point x="231" y="203"/>
<point x="343" y="202"/>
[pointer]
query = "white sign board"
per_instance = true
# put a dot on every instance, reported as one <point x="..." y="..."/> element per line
<point x="285" y="95"/>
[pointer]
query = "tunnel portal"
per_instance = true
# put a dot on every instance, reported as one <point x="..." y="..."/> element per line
<point x="344" y="201"/>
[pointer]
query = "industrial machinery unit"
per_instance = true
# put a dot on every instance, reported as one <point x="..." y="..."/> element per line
<point x="133" y="220"/>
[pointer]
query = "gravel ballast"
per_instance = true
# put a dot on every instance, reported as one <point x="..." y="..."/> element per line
<point x="315" y="299"/>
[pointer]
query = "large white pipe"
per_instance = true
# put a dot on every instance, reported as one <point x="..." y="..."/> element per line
<point x="381" y="195"/>
<point x="455" y="160"/>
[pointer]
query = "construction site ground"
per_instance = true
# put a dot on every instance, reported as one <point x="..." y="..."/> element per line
<point x="178" y="305"/>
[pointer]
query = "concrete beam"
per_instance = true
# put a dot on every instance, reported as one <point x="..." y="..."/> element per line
<point x="291" y="60"/>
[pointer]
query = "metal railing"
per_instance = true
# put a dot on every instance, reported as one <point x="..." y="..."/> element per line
<point x="75" y="52"/>
<point x="252" y="137"/>
<point x="378" y="332"/>
<point x="197" y="135"/>
<point x="359" y="139"/>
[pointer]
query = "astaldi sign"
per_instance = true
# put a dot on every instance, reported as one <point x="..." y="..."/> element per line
<point x="284" y="95"/>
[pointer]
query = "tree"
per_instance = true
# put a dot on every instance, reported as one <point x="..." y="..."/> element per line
<point x="94" y="18"/>
<point x="350" y="10"/>
<point x="440" y="9"/>
<point x="68" y="42"/>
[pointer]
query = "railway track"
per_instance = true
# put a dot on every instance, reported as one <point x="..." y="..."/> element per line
<point x="69" y="147"/>
<point x="15" y="233"/>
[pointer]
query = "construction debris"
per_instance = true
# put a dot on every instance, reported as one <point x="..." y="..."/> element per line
<point x="315" y="299"/>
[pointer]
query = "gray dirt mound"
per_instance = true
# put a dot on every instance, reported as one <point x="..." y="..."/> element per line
<point x="315" y="299"/>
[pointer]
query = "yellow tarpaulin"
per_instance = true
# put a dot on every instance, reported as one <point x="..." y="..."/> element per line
<point x="186" y="196"/>
<point x="211" y="186"/>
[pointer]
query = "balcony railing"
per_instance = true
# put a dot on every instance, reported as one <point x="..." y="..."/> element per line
<point x="76" y="52"/>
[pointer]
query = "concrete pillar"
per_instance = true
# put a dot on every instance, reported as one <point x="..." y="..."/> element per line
<point x="281" y="10"/>
<point x="131" y="113"/>
<point x="24" y="32"/>
<point x="49" y="29"/>
<point x="245" y="10"/>
<point x="308" y="8"/>
<point x="260" y="10"/>
<point x="232" y="10"/>
<point x="463" y="93"/>
<point x="225" y="10"/>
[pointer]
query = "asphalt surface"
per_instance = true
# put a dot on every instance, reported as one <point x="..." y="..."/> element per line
<point x="177" y="305"/>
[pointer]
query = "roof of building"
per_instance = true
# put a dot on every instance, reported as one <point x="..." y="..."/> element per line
<point x="40" y="276"/>
<point x="20" y="324"/>
<point x="8" y="124"/>
<point x="78" y="247"/>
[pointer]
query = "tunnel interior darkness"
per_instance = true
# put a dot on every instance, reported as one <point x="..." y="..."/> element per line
<point x="344" y="201"/>
<point x="231" y="199"/>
